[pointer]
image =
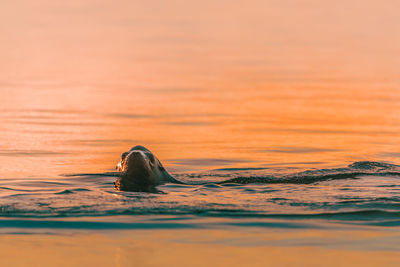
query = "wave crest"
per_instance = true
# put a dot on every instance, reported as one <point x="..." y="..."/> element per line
<point x="353" y="170"/>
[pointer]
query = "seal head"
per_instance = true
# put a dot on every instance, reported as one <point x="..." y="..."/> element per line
<point x="141" y="171"/>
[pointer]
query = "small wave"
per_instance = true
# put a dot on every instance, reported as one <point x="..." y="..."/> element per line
<point x="353" y="171"/>
<point x="72" y="191"/>
<point x="252" y="175"/>
<point x="372" y="165"/>
<point x="240" y="169"/>
<point x="196" y="221"/>
<point x="14" y="189"/>
<point x="103" y="174"/>
<point x="90" y="225"/>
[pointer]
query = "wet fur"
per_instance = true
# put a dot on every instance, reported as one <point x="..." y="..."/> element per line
<point x="141" y="171"/>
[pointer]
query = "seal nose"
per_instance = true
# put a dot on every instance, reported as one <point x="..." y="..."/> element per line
<point x="137" y="155"/>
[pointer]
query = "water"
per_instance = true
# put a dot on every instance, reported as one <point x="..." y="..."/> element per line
<point x="281" y="117"/>
<point x="365" y="193"/>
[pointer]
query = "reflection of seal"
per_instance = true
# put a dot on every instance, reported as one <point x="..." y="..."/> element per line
<point x="141" y="171"/>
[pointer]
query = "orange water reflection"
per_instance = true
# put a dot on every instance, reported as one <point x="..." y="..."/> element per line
<point x="198" y="247"/>
<point x="265" y="83"/>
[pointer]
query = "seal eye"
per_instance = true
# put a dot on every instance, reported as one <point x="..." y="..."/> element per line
<point x="151" y="157"/>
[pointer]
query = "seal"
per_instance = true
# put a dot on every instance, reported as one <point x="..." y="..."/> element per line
<point x="141" y="171"/>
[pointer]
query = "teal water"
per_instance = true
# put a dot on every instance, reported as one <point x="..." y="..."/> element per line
<point x="281" y="117"/>
<point x="365" y="193"/>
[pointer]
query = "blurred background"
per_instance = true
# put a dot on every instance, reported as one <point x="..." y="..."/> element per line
<point x="202" y="84"/>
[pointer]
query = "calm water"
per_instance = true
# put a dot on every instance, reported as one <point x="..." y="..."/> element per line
<point x="296" y="102"/>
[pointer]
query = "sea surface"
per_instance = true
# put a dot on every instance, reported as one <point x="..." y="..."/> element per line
<point x="282" y="119"/>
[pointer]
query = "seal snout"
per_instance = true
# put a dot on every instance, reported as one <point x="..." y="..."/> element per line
<point x="130" y="159"/>
<point x="137" y="157"/>
<point x="134" y="163"/>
